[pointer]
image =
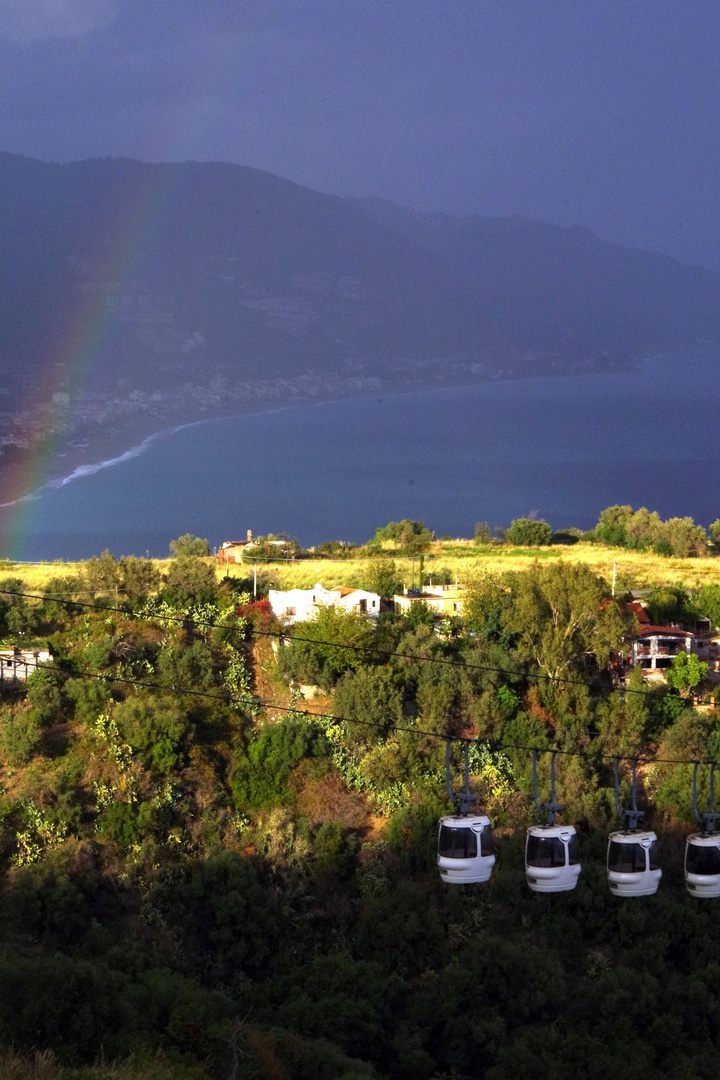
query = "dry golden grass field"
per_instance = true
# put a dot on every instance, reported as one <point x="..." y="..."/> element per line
<point x="462" y="558"/>
<point x="468" y="562"/>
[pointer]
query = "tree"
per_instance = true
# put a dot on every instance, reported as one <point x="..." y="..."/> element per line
<point x="410" y="535"/>
<point x="101" y="575"/>
<point x="16" y="615"/>
<point x="486" y="607"/>
<point x="524" y="532"/>
<point x="707" y="602"/>
<point x="369" y="695"/>
<point x="668" y="604"/>
<point x="189" y="579"/>
<point x="483" y="533"/>
<point x="563" y="615"/>
<point x="643" y="529"/>
<point x="383" y="578"/>
<point x="138" y="577"/>
<point x="613" y="525"/>
<point x="683" y="538"/>
<point x="686" y="672"/>
<point x="715" y="532"/>
<point x="189" y="546"/>
<point x="323" y="648"/>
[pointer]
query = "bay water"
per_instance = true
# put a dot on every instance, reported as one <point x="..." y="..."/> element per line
<point x="562" y="448"/>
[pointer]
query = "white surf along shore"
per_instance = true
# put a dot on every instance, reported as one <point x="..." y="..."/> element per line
<point x="82" y="471"/>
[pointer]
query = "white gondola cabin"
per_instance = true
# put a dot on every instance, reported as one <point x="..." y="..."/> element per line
<point x="465" y="849"/>
<point x="702" y="865"/>
<point x="702" y="850"/>
<point x="552" y="858"/>
<point x="632" y="863"/>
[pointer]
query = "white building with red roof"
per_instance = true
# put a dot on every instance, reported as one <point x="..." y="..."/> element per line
<point x="655" y="647"/>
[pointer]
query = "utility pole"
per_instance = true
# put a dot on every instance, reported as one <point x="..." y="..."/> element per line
<point x="254" y="581"/>
<point x="613" y="584"/>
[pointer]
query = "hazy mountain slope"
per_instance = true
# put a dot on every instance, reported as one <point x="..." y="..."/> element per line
<point x="546" y="286"/>
<point x="265" y="271"/>
<point x="164" y="272"/>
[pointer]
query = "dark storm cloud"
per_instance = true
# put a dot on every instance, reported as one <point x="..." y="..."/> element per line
<point x="602" y="114"/>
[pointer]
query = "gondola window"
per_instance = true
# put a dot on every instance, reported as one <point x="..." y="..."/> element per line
<point x="702" y="860"/>
<point x="545" y="851"/>
<point x="457" y="843"/>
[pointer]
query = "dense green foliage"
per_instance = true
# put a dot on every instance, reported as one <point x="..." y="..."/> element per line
<point x="189" y="546"/>
<point x="410" y="536"/>
<point x="528" y="532"/>
<point x="216" y="879"/>
<point x="645" y="530"/>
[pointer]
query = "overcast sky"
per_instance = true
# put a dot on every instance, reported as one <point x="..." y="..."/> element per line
<point x="603" y="114"/>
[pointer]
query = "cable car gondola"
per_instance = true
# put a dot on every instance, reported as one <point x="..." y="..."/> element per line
<point x="464" y="840"/>
<point x="702" y="850"/>
<point x="632" y="856"/>
<point x="552" y="858"/>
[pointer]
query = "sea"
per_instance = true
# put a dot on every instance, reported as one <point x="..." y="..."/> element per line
<point x="559" y="448"/>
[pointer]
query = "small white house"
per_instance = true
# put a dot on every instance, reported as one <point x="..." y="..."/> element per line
<point x="298" y="605"/>
<point x="17" y="664"/>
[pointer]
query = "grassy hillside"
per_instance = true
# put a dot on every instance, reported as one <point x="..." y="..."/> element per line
<point x="464" y="558"/>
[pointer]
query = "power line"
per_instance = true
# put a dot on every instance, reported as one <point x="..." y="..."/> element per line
<point x="253" y="699"/>
<point x="280" y="635"/>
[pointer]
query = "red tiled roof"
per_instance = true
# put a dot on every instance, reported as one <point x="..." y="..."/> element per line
<point x="640" y="611"/>
<point x="646" y="631"/>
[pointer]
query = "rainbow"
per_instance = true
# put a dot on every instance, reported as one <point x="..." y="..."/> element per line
<point x="79" y="341"/>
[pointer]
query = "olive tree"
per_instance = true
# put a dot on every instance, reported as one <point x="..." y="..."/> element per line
<point x="563" y="616"/>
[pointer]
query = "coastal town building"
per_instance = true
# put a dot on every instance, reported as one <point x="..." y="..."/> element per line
<point x="235" y="550"/>
<point x="298" y="605"/>
<point x="443" y="600"/>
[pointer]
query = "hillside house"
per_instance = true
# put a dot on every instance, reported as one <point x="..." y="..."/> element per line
<point x="298" y="605"/>
<point x="16" y="664"/>
<point x="443" y="600"/>
<point x="655" y="647"/>
<point x="232" y="550"/>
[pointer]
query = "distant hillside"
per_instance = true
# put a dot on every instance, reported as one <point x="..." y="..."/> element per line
<point x="210" y="265"/>
<point x="165" y="272"/>
<point x="544" y="287"/>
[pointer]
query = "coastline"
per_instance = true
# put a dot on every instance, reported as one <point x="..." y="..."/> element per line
<point x="115" y="449"/>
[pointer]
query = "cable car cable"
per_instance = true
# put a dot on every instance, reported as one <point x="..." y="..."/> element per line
<point x="253" y="699"/>
<point x="368" y="650"/>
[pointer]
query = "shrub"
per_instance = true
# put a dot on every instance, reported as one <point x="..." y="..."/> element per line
<point x="45" y="697"/>
<point x="261" y="768"/>
<point x="20" y="734"/>
<point x="524" y="532"/>
<point x="155" y="729"/>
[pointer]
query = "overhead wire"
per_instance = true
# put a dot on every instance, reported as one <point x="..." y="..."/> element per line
<point x="252" y="699"/>
<point x="184" y="620"/>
